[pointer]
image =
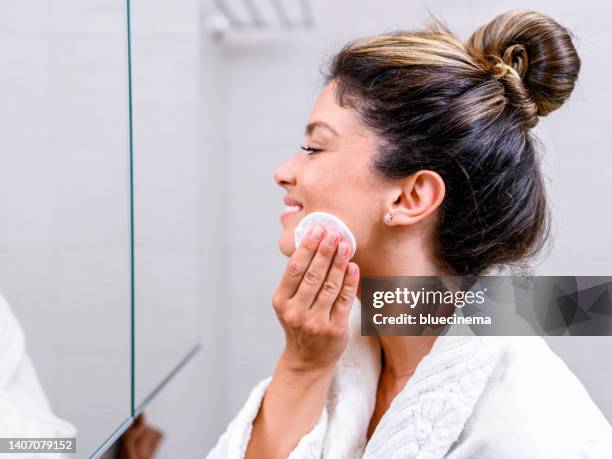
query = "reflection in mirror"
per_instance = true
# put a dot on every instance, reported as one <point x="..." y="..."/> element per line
<point x="65" y="235"/>
<point x="164" y="44"/>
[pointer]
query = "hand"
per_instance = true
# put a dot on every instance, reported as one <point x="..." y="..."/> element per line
<point x="139" y="441"/>
<point x="314" y="298"/>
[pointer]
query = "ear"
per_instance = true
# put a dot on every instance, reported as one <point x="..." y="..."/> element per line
<point x="418" y="196"/>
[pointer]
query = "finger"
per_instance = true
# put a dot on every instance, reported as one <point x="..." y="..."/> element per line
<point x="316" y="273"/>
<point x="298" y="263"/>
<point x="150" y="443"/>
<point x="342" y="306"/>
<point x="124" y="451"/>
<point x="128" y="450"/>
<point x="136" y="428"/>
<point x="333" y="283"/>
<point x="156" y="438"/>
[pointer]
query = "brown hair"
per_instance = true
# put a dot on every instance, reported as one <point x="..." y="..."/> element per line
<point x="464" y="111"/>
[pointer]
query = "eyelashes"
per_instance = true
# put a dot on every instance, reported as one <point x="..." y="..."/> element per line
<point x="311" y="149"/>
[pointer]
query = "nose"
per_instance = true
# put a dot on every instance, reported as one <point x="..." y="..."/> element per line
<point x="285" y="174"/>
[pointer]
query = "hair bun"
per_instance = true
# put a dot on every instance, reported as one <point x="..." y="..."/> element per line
<point x="532" y="55"/>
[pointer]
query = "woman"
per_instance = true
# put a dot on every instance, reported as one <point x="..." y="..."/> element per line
<point x="421" y="144"/>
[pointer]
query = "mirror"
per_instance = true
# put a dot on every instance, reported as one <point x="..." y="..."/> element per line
<point x="65" y="266"/>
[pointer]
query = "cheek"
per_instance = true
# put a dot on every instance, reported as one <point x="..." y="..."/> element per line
<point x="326" y="187"/>
<point x="345" y="188"/>
<point x="350" y="198"/>
<point x="360" y="203"/>
<point x="317" y="188"/>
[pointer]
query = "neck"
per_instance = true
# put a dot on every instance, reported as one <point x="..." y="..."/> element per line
<point x="401" y="354"/>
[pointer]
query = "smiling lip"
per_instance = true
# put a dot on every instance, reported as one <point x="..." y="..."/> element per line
<point x="291" y="207"/>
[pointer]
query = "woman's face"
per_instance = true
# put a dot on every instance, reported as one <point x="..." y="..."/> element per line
<point x="336" y="179"/>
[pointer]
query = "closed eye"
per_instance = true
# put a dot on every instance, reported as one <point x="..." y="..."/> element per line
<point x="311" y="150"/>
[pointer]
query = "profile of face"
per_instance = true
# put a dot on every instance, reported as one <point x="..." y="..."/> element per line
<point x="336" y="178"/>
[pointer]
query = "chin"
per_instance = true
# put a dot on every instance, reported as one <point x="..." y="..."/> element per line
<point x="286" y="244"/>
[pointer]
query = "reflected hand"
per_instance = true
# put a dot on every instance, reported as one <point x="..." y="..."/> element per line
<point x="140" y="440"/>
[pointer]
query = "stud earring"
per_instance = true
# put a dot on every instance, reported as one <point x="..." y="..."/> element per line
<point x="388" y="217"/>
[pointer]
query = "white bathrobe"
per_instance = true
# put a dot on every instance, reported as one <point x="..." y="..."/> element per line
<point x="470" y="397"/>
<point x="24" y="408"/>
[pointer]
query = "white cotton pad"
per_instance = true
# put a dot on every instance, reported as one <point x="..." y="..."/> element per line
<point x="327" y="221"/>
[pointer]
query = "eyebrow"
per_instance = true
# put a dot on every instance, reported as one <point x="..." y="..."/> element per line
<point x="321" y="124"/>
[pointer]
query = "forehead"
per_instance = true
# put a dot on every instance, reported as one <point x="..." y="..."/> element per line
<point x="343" y="120"/>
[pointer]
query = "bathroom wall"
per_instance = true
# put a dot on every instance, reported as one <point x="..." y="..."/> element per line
<point x="188" y="408"/>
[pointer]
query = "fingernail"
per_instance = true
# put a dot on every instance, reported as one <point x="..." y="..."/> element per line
<point x="315" y="233"/>
<point x="331" y="238"/>
<point x="352" y="270"/>
<point x="343" y="249"/>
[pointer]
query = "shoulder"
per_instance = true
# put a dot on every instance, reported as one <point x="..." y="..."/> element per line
<point x="534" y="378"/>
<point x="534" y="405"/>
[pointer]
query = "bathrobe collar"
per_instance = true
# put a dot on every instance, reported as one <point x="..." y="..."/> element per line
<point x="12" y="343"/>
<point x="427" y="416"/>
